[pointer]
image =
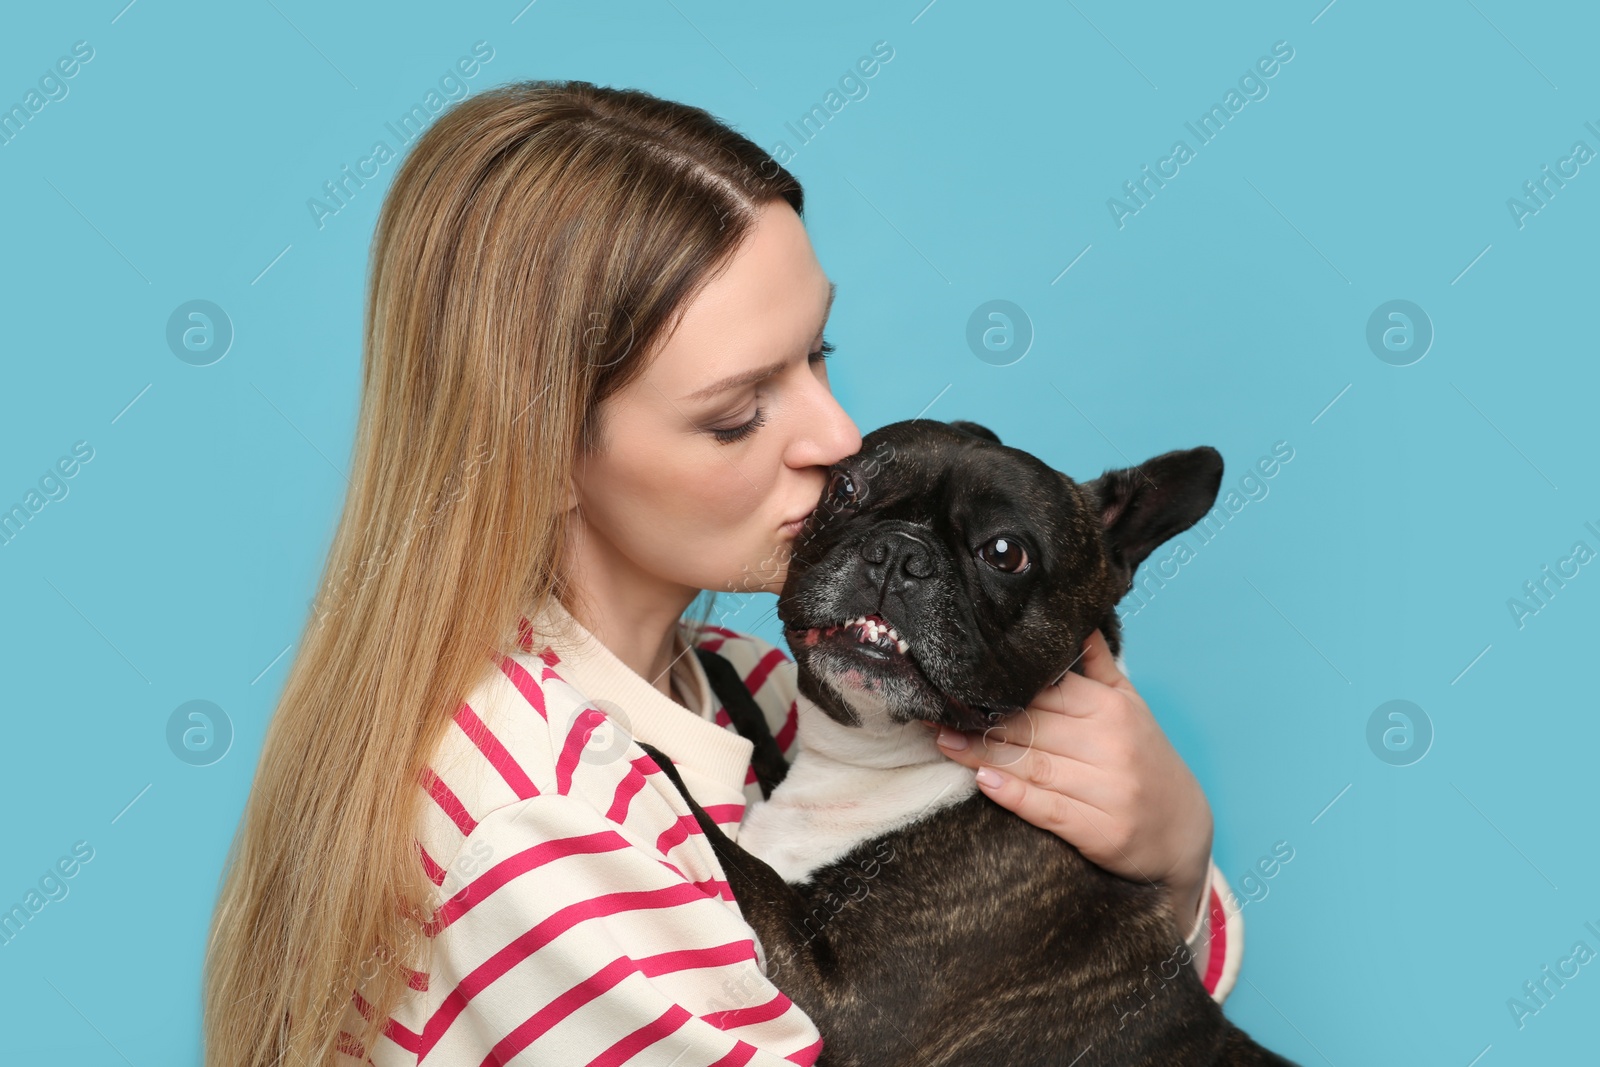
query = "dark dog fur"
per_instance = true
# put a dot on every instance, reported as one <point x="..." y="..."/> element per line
<point x="968" y="936"/>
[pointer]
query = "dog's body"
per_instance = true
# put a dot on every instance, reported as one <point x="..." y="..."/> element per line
<point x="914" y="919"/>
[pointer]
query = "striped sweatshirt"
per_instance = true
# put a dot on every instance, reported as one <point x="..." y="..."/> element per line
<point x="581" y="917"/>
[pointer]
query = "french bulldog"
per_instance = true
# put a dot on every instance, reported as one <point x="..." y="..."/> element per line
<point x="946" y="578"/>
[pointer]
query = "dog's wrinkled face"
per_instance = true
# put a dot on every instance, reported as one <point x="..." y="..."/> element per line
<point x="947" y="577"/>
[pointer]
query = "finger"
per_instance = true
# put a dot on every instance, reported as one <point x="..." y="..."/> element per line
<point x="1081" y="781"/>
<point x="1083" y="825"/>
<point x="1072" y="695"/>
<point x="1023" y="730"/>
<point x="1083" y="695"/>
<point x="1020" y="729"/>
<point x="1072" y="820"/>
<point x="1053" y="770"/>
<point x="1098" y="663"/>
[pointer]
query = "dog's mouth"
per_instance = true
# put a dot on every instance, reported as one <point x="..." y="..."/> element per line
<point x="870" y="635"/>
<point x="870" y="649"/>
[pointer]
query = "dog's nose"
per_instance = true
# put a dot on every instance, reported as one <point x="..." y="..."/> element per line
<point x="896" y="553"/>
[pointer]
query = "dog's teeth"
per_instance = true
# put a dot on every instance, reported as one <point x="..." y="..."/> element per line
<point x="872" y="630"/>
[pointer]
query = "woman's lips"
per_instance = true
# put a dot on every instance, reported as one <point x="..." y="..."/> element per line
<point x="795" y="525"/>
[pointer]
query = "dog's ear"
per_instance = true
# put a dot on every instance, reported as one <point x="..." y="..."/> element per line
<point x="1141" y="507"/>
<point x="975" y="430"/>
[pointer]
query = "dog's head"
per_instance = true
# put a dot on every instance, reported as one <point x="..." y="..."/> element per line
<point x="947" y="577"/>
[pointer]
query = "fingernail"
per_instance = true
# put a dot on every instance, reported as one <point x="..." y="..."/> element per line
<point x="952" y="738"/>
<point x="989" y="777"/>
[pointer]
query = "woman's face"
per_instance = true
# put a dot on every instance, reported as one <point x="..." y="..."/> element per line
<point x="727" y="435"/>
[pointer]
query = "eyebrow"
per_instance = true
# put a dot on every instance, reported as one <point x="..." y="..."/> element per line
<point x="733" y="381"/>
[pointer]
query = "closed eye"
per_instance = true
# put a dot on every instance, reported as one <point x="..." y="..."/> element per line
<point x="734" y="434"/>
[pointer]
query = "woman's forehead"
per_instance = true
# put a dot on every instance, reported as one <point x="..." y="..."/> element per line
<point x="738" y="333"/>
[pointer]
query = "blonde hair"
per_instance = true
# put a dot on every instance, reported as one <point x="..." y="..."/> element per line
<point x="538" y="243"/>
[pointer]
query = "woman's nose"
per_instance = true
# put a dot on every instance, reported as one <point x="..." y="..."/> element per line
<point x="842" y="439"/>
<point x="828" y="430"/>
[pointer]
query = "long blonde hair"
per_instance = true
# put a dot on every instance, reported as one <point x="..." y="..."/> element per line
<point x="538" y="243"/>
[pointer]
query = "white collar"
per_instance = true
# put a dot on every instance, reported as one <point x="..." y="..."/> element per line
<point x="690" y="735"/>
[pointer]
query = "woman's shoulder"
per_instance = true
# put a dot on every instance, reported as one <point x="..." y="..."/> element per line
<point x="522" y="732"/>
<point x="534" y="825"/>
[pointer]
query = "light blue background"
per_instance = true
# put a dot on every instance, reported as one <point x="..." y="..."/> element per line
<point x="1231" y="310"/>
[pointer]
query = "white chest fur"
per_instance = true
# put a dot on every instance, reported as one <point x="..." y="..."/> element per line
<point x="847" y="785"/>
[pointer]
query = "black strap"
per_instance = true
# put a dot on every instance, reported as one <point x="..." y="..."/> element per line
<point x="748" y="719"/>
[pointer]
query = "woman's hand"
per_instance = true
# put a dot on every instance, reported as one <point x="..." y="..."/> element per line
<point x="1087" y="761"/>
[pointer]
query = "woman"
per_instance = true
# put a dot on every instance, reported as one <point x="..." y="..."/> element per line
<point x="593" y="387"/>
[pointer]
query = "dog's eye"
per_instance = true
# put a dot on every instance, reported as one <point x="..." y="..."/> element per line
<point x="1004" y="554"/>
<point x="842" y="489"/>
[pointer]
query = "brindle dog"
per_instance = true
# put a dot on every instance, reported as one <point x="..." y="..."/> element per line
<point x="947" y="578"/>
